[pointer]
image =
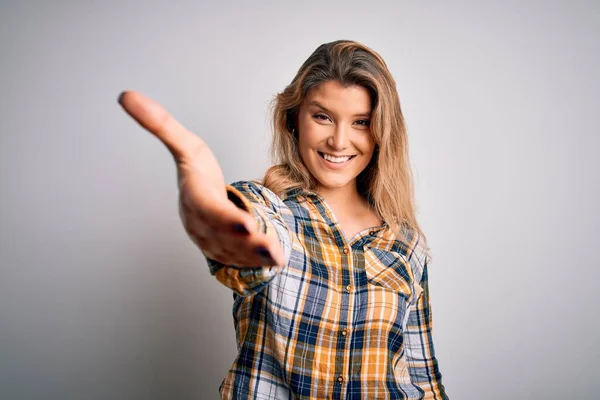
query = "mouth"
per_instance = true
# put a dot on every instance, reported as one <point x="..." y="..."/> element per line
<point x="336" y="160"/>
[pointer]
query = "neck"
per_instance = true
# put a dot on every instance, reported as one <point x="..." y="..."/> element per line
<point x="342" y="199"/>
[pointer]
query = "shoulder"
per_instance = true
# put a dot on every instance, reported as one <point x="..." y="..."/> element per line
<point x="411" y="243"/>
<point x="246" y="186"/>
<point x="422" y="251"/>
<point x="256" y="192"/>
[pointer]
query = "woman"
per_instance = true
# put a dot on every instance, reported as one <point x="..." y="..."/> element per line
<point x="326" y="260"/>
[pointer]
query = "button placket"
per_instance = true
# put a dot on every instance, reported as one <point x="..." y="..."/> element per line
<point x="345" y="252"/>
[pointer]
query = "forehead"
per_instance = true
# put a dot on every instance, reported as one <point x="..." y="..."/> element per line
<point x="354" y="99"/>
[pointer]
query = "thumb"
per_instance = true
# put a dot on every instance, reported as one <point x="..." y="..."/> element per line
<point x="157" y="120"/>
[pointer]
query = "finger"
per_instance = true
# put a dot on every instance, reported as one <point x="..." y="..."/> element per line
<point x="256" y="250"/>
<point x="218" y="235"/>
<point x="156" y="119"/>
<point x="240" y="234"/>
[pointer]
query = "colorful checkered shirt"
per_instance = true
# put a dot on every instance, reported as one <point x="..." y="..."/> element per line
<point x="345" y="318"/>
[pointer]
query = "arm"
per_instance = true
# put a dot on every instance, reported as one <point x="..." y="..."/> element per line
<point x="268" y="210"/>
<point x="210" y="210"/>
<point x="420" y="354"/>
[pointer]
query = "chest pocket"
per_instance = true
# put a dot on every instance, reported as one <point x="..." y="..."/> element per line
<point x="390" y="270"/>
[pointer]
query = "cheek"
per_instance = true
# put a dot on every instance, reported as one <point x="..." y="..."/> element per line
<point x="367" y="145"/>
<point x="304" y="143"/>
<point x="311" y="134"/>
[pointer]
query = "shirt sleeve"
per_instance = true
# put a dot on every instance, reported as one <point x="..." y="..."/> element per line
<point x="420" y="354"/>
<point x="268" y="210"/>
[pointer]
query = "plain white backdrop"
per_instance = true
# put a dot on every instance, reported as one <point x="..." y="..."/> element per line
<point x="103" y="296"/>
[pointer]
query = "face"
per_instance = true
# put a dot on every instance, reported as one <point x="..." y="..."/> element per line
<point x="335" y="140"/>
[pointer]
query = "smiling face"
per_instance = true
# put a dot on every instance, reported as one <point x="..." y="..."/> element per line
<point x="335" y="140"/>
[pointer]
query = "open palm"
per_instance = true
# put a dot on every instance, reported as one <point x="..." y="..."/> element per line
<point x="223" y="231"/>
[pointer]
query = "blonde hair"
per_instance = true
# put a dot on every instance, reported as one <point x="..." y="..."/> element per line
<point x="386" y="183"/>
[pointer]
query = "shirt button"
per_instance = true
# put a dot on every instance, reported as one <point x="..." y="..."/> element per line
<point x="371" y="233"/>
<point x="340" y="379"/>
<point x="344" y="332"/>
<point x="345" y="251"/>
<point x="348" y="288"/>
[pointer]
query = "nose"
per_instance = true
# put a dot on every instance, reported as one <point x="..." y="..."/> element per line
<point x="339" y="138"/>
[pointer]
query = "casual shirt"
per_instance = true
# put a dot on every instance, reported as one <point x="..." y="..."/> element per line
<point x="344" y="318"/>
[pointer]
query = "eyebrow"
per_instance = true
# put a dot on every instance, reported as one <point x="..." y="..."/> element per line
<point x="316" y="103"/>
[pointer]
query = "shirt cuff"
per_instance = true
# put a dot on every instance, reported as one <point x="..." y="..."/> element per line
<point x="251" y="279"/>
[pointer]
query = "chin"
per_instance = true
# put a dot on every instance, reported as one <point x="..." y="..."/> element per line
<point x="332" y="184"/>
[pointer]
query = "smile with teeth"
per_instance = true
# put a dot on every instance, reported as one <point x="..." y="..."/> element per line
<point x="337" y="160"/>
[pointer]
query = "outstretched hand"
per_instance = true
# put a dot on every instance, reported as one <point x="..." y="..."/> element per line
<point x="223" y="231"/>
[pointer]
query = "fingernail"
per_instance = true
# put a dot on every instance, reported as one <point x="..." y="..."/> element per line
<point x="265" y="255"/>
<point x="240" y="228"/>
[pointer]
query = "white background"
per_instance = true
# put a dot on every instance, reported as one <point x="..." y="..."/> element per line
<point x="103" y="296"/>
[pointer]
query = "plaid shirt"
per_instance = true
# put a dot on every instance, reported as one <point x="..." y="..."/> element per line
<point x="345" y="318"/>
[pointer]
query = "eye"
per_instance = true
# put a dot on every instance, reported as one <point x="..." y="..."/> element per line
<point x="364" y="122"/>
<point x="322" y="117"/>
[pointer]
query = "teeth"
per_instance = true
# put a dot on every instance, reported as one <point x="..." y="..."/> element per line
<point x="336" y="159"/>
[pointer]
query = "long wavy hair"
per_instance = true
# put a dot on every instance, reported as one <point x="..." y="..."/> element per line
<point x="387" y="182"/>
